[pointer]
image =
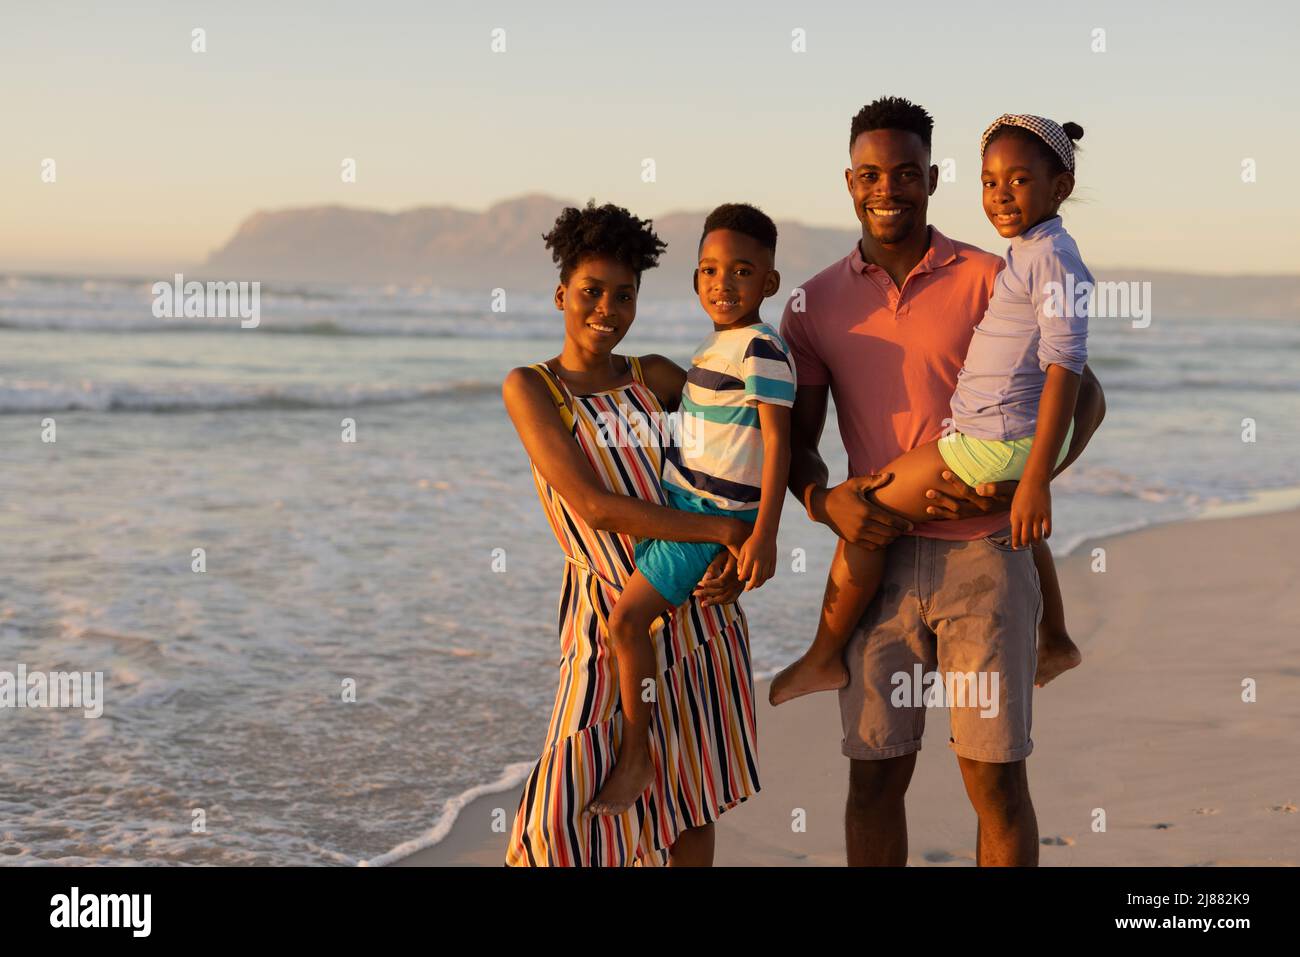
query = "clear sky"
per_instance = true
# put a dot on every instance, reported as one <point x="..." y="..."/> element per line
<point x="160" y="152"/>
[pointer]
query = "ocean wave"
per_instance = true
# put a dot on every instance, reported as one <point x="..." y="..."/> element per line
<point x="512" y="775"/>
<point x="45" y="397"/>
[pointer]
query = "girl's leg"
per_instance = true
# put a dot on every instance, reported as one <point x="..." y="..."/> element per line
<point x="693" y="848"/>
<point x="1056" y="651"/>
<point x="850" y="586"/>
<point x="629" y="632"/>
<point x="854" y="577"/>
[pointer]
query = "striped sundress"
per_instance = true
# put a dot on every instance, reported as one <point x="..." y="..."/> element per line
<point x="702" y="733"/>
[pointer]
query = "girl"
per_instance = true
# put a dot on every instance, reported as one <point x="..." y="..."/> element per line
<point x="1012" y="411"/>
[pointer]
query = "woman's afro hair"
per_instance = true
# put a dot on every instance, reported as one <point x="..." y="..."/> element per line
<point x="607" y="230"/>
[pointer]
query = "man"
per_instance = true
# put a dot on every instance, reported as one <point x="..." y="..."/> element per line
<point x="886" y="330"/>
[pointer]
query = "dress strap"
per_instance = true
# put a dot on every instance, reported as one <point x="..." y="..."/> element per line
<point x="636" y="368"/>
<point x="558" y="393"/>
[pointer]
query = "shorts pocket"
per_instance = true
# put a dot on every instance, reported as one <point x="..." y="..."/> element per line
<point x="1003" y="543"/>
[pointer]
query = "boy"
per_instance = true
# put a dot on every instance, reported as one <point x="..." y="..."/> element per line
<point x="733" y="458"/>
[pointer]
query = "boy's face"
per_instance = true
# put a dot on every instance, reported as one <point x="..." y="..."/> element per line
<point x="891" y="181"/>
<point x="1019" y="188"/>
<point x="598" y="302"/>
<point x="735" y="274"/>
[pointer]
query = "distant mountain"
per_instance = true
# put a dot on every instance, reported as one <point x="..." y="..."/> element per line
<point x="502" y="247"/>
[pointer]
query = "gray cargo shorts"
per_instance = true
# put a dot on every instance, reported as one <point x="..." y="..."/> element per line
<point x="953" y="624"/>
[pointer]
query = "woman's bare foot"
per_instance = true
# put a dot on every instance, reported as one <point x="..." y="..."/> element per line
<point x="628" y="781"/>
<point x="804" y="677"/>
<point x="1056" y="653"/>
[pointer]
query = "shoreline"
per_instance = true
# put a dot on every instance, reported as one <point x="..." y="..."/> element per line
<point x="473" y="826"/>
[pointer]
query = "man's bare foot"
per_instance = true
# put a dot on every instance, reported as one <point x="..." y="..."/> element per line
<point x="628" y="781"/>
<point x="1056" y="653"/>
<point x="805" y="677"/>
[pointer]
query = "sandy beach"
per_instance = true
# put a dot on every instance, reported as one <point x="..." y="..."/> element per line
<point x="1152" y="728"/>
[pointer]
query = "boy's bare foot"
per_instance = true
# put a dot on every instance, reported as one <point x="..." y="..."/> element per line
<point x="805" y="677"/>
<point x="628" y="781"/>
<point x="1056" y="653"/>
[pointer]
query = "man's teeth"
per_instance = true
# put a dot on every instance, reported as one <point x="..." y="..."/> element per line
<point x="886" y="212"/>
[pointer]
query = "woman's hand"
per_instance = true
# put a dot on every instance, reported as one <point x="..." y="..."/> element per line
<point x="720" y="586"/>
<point x="757" y="561"/>
<point x="1031" y="513"/>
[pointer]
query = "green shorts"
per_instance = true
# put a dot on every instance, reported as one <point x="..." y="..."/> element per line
<point x="976" y="461"/>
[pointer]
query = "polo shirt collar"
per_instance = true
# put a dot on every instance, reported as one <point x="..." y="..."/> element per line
<point x="941" y="253"/>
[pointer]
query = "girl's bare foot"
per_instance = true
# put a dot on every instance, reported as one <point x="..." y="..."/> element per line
<point x="805" y="676"/>
<point x="1056" y="653"/>
<point x="631" y="776"/>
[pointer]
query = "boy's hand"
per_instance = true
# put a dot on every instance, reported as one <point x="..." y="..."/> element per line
<point x="757" y="560"/>
<point x="1031" y="513"/>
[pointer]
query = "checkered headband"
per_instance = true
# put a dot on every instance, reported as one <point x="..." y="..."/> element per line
<point x="1049" y="131"/>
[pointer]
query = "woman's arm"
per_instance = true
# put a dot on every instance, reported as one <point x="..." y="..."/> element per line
<point x="566" y="470"/>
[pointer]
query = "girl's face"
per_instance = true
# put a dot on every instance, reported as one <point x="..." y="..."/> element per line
<point x="1019" y="189"/>
<point x="599" y="304"/>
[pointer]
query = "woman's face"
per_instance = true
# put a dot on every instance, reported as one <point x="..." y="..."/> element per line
<point x="599" y="303"/>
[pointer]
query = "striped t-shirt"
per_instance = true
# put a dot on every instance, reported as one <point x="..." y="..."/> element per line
<point x="719" y="455"/>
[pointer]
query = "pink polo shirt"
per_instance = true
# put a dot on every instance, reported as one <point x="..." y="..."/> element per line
<point x="891" y="356"/>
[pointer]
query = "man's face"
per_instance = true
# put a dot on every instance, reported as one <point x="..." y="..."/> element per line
<point x="891" y="181"/>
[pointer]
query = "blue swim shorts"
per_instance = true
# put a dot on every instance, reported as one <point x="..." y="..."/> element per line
<point x="675" y="568"/>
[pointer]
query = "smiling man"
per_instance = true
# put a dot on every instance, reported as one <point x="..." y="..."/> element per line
<point x="885" y="330"/>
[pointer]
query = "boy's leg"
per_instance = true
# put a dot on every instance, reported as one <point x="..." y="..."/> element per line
<point x="850" y="586"/>
<point x="1056" y="651"/>
<point x="629" y="631"/>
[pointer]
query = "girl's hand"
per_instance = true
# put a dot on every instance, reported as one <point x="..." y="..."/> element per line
<point x="756" y="562"/>
<point x="1031" y="513"/>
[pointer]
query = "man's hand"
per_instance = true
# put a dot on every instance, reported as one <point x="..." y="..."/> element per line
<point x="855" y="518"/>
<point x="1031" y="514"/>
<point x="720" y="586"/>
<point x="958" y="500"/>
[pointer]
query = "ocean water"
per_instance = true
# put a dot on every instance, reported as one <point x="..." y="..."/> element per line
<point x="333" y="565"/>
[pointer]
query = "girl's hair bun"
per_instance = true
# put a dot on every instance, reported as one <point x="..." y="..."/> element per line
<point x="1073" y="130"/>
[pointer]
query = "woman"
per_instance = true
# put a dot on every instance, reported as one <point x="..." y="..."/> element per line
<point x="580" y="417"/>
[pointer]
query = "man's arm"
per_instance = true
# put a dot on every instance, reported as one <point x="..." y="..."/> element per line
<point x="959" y="500"/>
<point x="842" y="508"/>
